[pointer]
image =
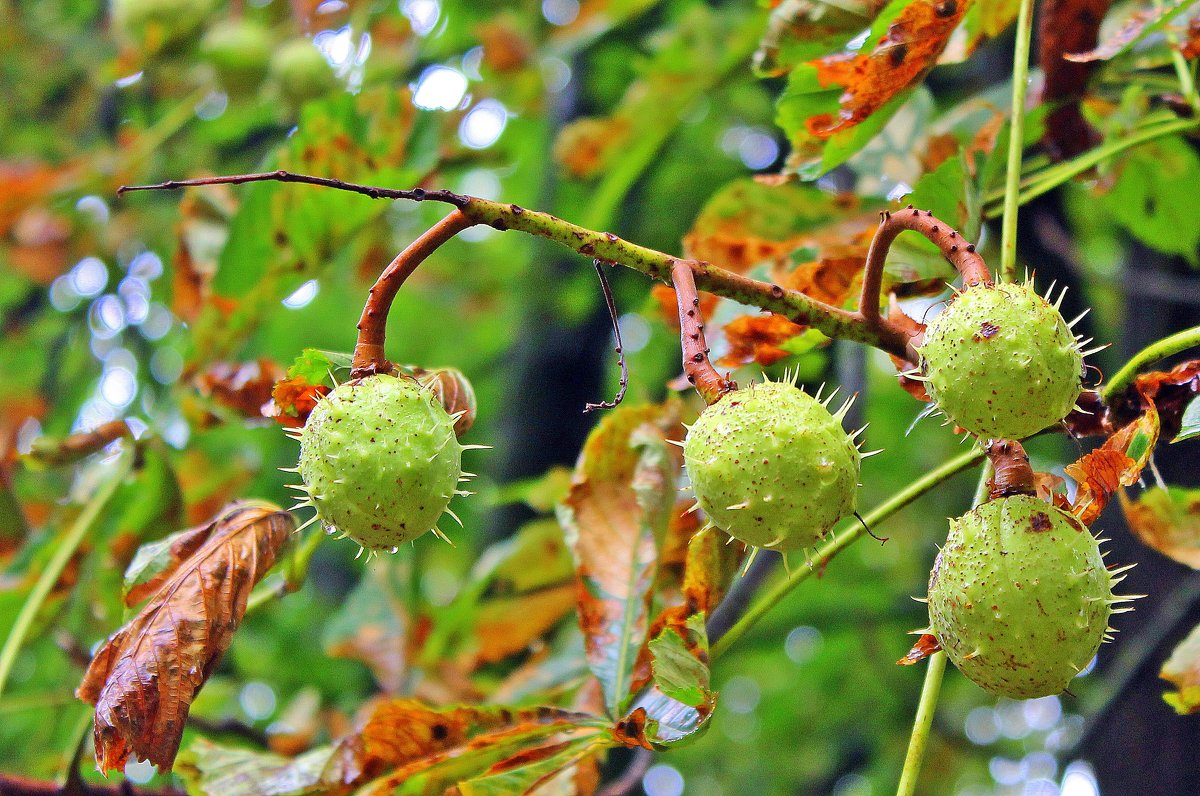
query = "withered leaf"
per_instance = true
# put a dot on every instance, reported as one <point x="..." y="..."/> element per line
<point x="292" y="400"/>
<point x="1183" y="670"/>
<point x="615" y="516"/>
<point x="1116" y="463"/>
<point x="401" y="737"/>
<point x="829" y="100"/>
<point x="510" y="624"/>
<point x="1136" y="26"/>
<point x="144" y="678"/>
<point x="1167" y="520"/>
<point x="756" y="338"/>
<point x="245" y="387"/>
<point x="926" y="645"/>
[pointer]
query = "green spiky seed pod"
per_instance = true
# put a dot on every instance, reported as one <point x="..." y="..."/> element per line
<point x="301" y="72"/>
<point x="239" y="51"/>
<point x="379" y="460"/>
<point x="1019" y="597"/>
<point x="1001" y="362"/>
<point x="772" y="467"/>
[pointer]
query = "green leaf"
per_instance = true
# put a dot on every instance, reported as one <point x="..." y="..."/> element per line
<point x="680" y="664"/>
<point x="371" y="627"/>
<point x="213" y="770"/>
<point x="535" y="768"/>
<point x="1190" y="425"/>
<point x="315" y="365"/>
<point x="1154" y="196"/>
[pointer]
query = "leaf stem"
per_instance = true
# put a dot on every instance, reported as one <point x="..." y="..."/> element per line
<point x="1016" y="143"/>
<point x="66" y="548"/>
<point x="840" y="542"/>
<point x="1168" y="346"/>
<point x="368" y="350"/>
<point x="1187" y="85"/>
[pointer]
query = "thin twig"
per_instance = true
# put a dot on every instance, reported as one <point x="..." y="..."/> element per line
<point x="704" y="377"/>
<point x="611" y="303"/>
<point x="368" y="351"/>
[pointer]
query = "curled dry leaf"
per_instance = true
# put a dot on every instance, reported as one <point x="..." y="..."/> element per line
<point x="926" y="645"/>
<point x="144" y="678"/>
<point x="756" y="338"/>
<point x="1167" y="520"/>
<point x="454" y="391"/>
<point x="1116" y="463"/>
<point x="245" y="387"/>
<point x="1065" y="27"/>
<point x="292" y="400"/>
<point x="1183" y="669"/>
<point x="57" y="452"/>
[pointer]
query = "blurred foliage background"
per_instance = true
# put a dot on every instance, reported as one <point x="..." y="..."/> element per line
<point x="176" y="312"/>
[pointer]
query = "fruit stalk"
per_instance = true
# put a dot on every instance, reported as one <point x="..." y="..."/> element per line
<point x="368" y="350"/>
<point x="959" y="252"/>
<point x="703" y="376"/>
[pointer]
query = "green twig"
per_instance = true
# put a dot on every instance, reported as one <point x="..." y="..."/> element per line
<point x="1016" y="144"/>
<point x="1168" y="346"/>
<point x="67" y="547"/>
<point x="1187" y="86"/>
<point x="841" y="541"/>
<point x="930" y="689"/>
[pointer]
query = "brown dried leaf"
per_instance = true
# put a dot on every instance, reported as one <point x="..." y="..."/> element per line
<point x="1167" y="520"/>
<point x="1183" y="669"/>
<point x="401" y="737"/>
<point x="144" y="678"/>
<point x="1067" y="26"/>
<point x="245" y="387"/>
<point x="1190" y="44"/>
<point x="909" y="48"/>
<point x="510" y="624"/>
<point x="1118" y="462"/>
<point x="292" y="400"/>
<point x="926" y="645"/>
<point x="756" y="338"/>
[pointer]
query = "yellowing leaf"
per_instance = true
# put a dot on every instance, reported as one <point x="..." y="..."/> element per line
<point x="615" y="515"/>
<point x="1183" y="670"/>
<point x="1167" y="520"/>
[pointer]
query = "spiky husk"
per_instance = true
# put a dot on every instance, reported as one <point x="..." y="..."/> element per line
<point x="1001" y="362"/>
<point x="1019" y="597"/>
<point x="772" y="467"/>
<point x="380" y="460"/>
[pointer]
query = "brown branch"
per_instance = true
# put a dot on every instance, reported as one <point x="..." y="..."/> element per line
<point x="374" y="192"/>
<point x="15" y="785"/>
<point x="369" y="356"/>
<point x="611" y="303"/>
<point x="957" y="251"/>
<point x="700" y="372"/>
